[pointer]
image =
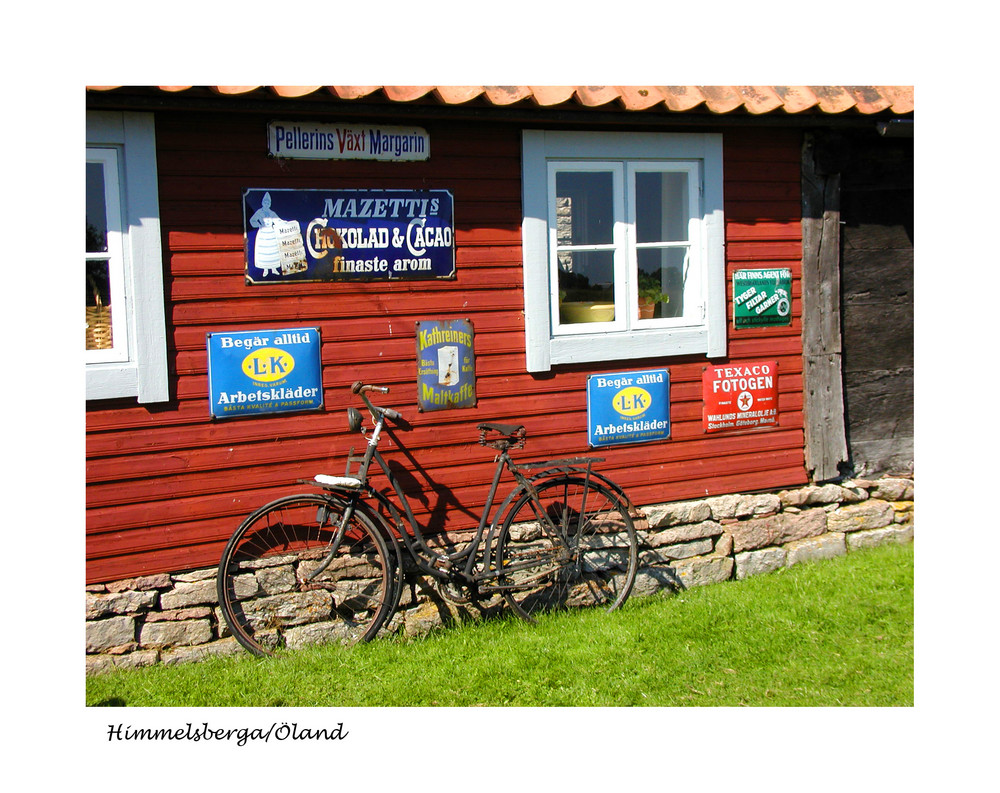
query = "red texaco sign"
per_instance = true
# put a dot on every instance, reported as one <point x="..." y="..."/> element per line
<point x="740" y="396"/>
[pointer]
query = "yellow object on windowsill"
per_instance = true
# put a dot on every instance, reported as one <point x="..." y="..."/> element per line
<point x="571" y="313"/>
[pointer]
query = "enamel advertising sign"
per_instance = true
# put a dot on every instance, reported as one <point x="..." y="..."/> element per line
<point x="446" y="365"/>
<point x="348" y="235"/>
<point x="303" y="140"/>
<point x="740" y="396"/>
<point x="762" y="297"/>
<point x="628" y="407"/>
<point x="264" y="371"/>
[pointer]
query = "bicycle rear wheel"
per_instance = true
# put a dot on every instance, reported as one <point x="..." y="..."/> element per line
<point x="575" y="545"/>
<point x="264" y="591"/>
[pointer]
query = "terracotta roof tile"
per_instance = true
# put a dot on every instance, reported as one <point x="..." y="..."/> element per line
<point x="834" y="98"/>
<point x="682" y="97"/>
<point x="457" y="94"/>
<point x="295" y="90"/>
<point x="755" y="99"/>
<point x="596" y="95"/>
<point x="796" y="98"/>
<point x="352" y="91"/>
<point x="868" y="99"/>
<point x="722" y="98"/>
<point x="900" y="97"/>
<point x="234" y="89"/>
<point x="639" y="97"/>
<point x="406" y="93"/>
<point x="760" y="98"/>
<point x="546" y="95"/>
<point x="506" y="94"/>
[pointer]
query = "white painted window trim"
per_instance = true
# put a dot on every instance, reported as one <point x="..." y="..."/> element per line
<point x="143" y="373"/>
<point x="618" y="245"/>
<point x="545" y="349"/>
<point x="109" y="157"/>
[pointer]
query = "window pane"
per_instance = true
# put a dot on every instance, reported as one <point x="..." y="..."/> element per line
<point x="661" y="206"/>
<point x="97" y="214"/>
<point x="98" y="304"/>
<point x="586" y="286"/>
<point x="661" y="279"/>
<point x="584" y="208"/>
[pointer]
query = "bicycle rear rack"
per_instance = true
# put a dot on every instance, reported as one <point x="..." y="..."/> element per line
<point x="566" y="466"/>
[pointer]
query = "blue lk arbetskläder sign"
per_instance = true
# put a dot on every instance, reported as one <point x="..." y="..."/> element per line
<point x="628" y="407"/>
<point x="264" y="371"/>
<point x="348" y="235"/>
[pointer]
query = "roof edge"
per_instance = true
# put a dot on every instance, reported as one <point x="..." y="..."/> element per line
<point x="755" y="100"/>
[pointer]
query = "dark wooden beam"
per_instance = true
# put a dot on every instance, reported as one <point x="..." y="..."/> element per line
<point x="823" y="157"/>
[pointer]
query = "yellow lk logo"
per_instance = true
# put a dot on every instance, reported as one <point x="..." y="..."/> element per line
<point x="268" y="364"/>
<point x="632" y="401"/>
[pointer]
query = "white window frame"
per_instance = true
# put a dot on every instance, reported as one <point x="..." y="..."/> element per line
<point x="108" y="158"/>
<point x="137" y="366"/>
<point x="703" y="328"/>
<point x="617" y="245"/>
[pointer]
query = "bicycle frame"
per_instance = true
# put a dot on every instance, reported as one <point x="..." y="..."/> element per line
<point x="446" y="566"/>
<point x="563" y="535"/>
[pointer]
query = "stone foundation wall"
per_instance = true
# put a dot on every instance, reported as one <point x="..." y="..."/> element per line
<point x="174" y="618"/>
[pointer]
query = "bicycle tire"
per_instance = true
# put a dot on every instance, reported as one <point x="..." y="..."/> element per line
<point x="265" y="600"/>
<point x="588" y="558"/>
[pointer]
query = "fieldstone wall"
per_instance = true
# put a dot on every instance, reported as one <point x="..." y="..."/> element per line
<point x="175" y="618"/>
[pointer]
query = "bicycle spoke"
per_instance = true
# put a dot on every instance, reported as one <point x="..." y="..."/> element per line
<point x="572" y="545"/>
<point x="269" y="597"/>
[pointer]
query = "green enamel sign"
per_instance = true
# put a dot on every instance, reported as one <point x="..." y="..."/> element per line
<point x="762" y="297"/>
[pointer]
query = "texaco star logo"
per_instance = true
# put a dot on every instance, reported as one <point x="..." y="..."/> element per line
<point x="744" y="401"/>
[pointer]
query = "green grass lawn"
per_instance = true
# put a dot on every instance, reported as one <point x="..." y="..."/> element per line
<point x="837" y="632"/>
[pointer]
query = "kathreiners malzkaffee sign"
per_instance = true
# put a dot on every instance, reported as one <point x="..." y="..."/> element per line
<point x="740" y="396"/>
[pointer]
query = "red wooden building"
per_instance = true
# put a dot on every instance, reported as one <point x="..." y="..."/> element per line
<point x="167" y="483"/>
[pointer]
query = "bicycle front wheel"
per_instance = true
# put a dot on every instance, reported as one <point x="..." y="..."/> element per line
<point x="572" y="545"/>
<point x="269" y="599"/>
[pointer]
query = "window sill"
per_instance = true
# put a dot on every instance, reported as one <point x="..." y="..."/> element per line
<point x="585" y="348"/>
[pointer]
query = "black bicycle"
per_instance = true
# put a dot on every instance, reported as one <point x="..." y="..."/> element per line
<point x="329" y="566"/>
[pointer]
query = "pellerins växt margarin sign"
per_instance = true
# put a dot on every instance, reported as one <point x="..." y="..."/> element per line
<point x="264" y="371"/>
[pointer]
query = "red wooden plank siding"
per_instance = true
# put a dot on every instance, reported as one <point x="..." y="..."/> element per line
<point x="166" y="486"/>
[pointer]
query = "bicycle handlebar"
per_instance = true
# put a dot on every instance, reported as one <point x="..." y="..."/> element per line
<point x="361" y="389"/>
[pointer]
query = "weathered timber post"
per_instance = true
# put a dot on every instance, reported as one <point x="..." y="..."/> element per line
<point x="823" y="158"/>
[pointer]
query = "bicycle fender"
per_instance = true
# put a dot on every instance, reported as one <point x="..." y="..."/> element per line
<point x="633" y="511"/>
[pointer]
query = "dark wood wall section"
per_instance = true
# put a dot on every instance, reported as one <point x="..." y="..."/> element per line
<point x="166" y="485"/>
<point x="877" y="286"/>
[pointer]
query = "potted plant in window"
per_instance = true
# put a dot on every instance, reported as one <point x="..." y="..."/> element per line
<point x="650" y="294"/>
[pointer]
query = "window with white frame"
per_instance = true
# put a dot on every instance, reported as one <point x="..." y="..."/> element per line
<point x="105" y="261"/>
<point x="125" y="349"/>
<point x="623" y="246"/>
